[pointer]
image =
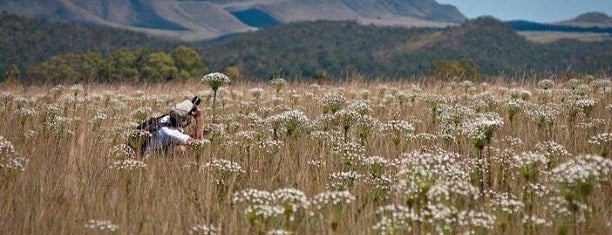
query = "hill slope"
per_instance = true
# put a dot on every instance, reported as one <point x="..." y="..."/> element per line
<point x="335" y="47"/>
<point x="338" y="47"/>
<point x="198" y="20"/>
<point x="26" y="42"/>
<point x="592" y="26"/>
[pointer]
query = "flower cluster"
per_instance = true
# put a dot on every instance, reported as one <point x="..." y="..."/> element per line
<point x="603" y="139"/>
<point x="482" y="127"/>
<point x="343" y="180"/>
<point x="263" y="212"/>
<point x="525" y="159"/>
<point x="398" y="126"/>
<point x="346" y="118"/>
<point x="290" y="200"/>
<point x="506" y="203"/>
<point x="585" y="104"/>
<point x="9" y="159"/>
<point x="332" y="198"/>
<point x="535" y="220"/>
<point x="278" y="83"/>
<point x="395" y="219"/>
<point x="544" y="115"/>
<point x="349" y="151"/>
<point x="519" y="94"/>
<point x="253" y="196"/>
<point x="205" y="229"/>
<point x="552" y="150"/>
<point x="279" y="232"/>
<point x="447" y="190"/>
<point x="360" y="106"/>
<point x="262" y="206"/>
<point x="333" y="102"/>
<point x="216" y="80"/>
<point x="582" y="169"/>
<point x="292" y="121"/>
<point x="546" y="84"/>
<point x="128" y="164"/>
<point x="224" y="166"/>
<point x="475" y="219"/>
<point x="199" y="143"/>
<point x="101" y="225"/>
<point x="122" y="152"/>
<point x="513" y="107"/>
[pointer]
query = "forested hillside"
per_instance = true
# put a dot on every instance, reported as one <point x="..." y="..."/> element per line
<point x="26" y="42"/>
<point x="334" y="48"/>
<point x="58" y="52"/>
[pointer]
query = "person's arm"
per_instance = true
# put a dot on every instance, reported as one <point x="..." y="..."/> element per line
<point x="197" y="134"/>
<point x="176" y="136"/>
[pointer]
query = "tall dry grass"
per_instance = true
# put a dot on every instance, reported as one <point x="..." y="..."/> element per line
<point x="68" y="133"/>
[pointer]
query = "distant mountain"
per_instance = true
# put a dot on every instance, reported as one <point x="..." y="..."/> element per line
<point x="590" y="19"/>
<point x="207" y="19"/>
<point x="301" y="49"/>
<point x="522" y="25"/>
<point x="586" y="27"/>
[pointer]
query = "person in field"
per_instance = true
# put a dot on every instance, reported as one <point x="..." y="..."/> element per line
<point x="169" y="133"/>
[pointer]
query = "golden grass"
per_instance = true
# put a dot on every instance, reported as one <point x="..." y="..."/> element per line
<point x="69" y="181"/>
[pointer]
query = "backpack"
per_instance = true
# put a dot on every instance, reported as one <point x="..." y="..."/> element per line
<point x="151" y="125"/>
<point x="141" y="137"/>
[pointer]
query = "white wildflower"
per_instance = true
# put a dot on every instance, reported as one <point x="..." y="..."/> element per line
<point x="101" y="225"/>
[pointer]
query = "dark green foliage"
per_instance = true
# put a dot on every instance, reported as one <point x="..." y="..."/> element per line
<point x="68" y="68"/>
<point x="159" y="66"/>
<point x="451" y="69"/>
<point x="12" y="75"/>
<point x="300" y="49"/>
<point x="58" y="52"/>
<point x="188" y="61"/>
<point x="26" y="42"/>
<point x="121" y="65"/>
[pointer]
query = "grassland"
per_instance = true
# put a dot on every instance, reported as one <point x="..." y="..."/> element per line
<point x="348" y="158"/>
<point x="547" y="37"/>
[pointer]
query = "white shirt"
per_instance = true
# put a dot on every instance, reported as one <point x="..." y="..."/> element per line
<point x="166" y="137"/>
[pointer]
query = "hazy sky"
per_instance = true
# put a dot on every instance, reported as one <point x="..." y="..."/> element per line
<point x="533" y="10"/>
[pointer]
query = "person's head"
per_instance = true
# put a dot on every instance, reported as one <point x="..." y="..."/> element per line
<point x="180" y="112"/>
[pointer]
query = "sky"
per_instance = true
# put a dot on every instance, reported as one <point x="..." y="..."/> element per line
<point x="544" y="11"/>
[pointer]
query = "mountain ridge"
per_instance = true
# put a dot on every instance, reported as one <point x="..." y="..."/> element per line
<point x="299" y="50"/>
<point x="201" y="20"/>
<point x="589" y="19"/>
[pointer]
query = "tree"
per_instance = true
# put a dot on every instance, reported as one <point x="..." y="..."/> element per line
<point x="159" y="66"/>
<point x="89" y="66"/>
<point x="12" y="76"/>
<point x="56" y="69"/>
<point x="121" y="65"/>
<point x="320" y="75"/>
<point x="188" y="62"/>
<point x="455" y="69"/>
<point x="234" y="72"/>
<point x="68" y="68"/>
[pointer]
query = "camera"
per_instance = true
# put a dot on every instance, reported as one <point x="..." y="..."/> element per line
<point x="196" y="101"/>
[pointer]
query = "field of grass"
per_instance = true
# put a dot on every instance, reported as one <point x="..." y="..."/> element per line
<point x="297" y="158"/>
<point x="546" y="37"/>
